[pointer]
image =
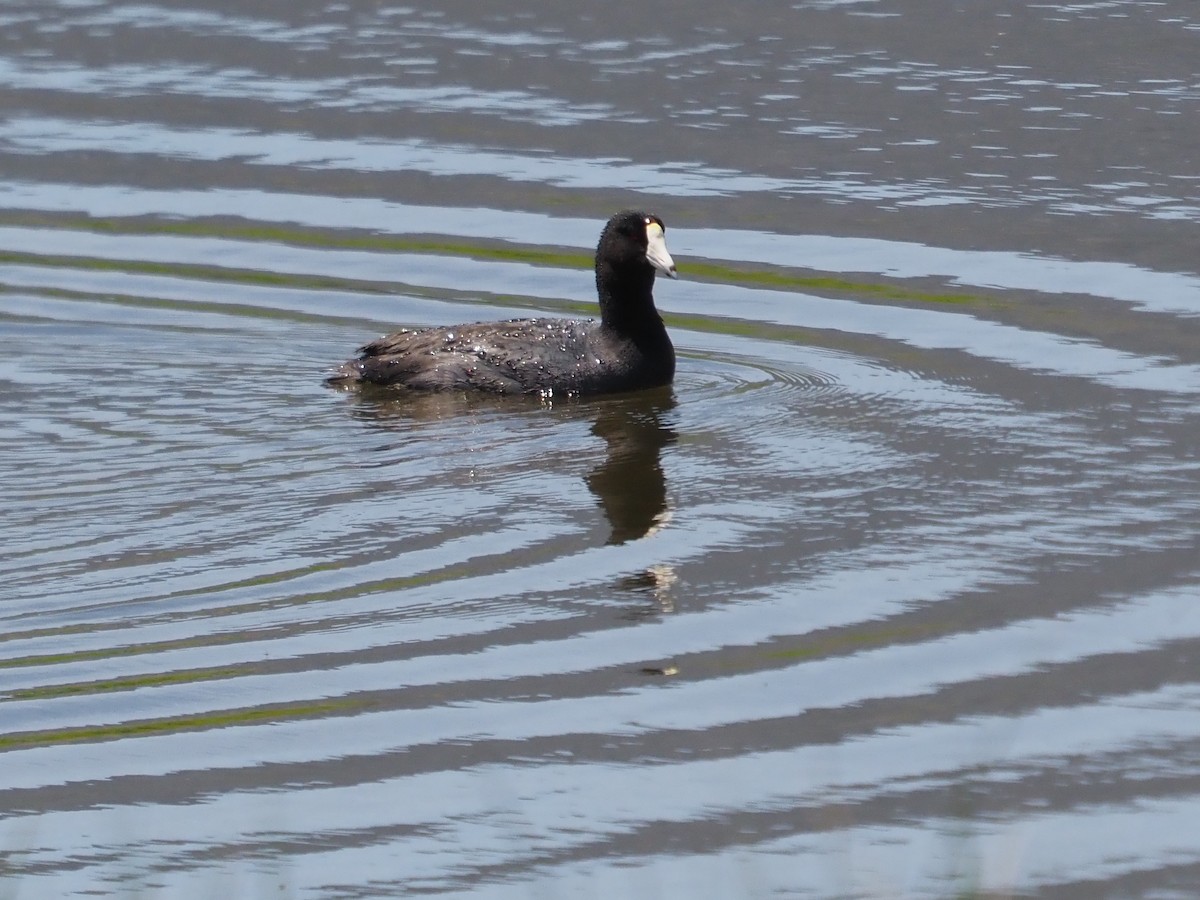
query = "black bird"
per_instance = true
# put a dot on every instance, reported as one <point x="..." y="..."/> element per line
<point x="627" y="349"/>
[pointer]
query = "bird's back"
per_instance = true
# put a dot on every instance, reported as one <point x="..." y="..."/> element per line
<point x="518" y="356"/>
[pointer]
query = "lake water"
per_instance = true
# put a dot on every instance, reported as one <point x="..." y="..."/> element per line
<point x="894" y="593"/>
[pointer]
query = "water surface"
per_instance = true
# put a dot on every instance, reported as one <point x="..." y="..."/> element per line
<point x="892" y="593"/>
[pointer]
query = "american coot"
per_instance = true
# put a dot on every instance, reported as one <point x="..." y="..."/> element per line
<point x="628" y="348"/>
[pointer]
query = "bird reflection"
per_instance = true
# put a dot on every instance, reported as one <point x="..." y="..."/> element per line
<point x="629" y="483"/>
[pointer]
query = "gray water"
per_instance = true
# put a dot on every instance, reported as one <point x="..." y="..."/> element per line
<point x="894" y="593"/>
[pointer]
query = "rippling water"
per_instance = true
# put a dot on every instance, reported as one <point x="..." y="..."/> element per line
<point x="892" y="594"/>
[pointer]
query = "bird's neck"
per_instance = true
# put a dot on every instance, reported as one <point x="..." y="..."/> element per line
<point x="627" y="300"/>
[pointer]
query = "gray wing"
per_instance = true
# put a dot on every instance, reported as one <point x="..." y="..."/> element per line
<point x="517" y="356"/>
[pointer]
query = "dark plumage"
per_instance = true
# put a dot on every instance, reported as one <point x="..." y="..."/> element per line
<point x="627" y="349"/>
